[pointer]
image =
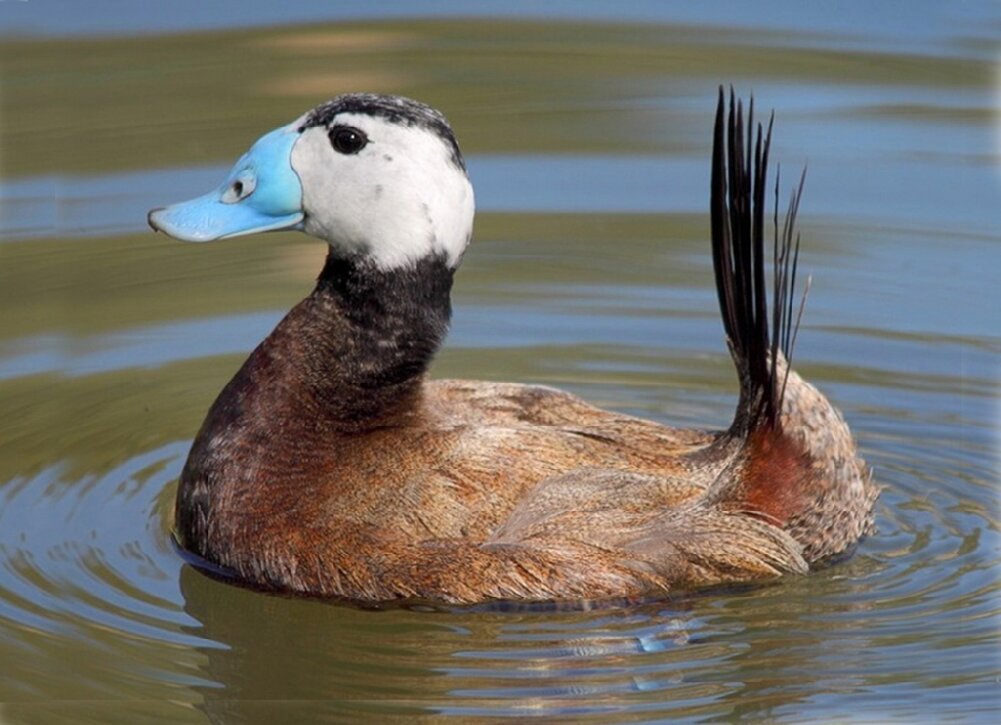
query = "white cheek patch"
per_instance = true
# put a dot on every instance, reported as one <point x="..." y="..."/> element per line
<point x="399" y="199"/>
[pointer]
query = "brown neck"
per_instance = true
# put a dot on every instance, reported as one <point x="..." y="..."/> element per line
<point x="354" y="351"/>
<point x="349" y="357"/>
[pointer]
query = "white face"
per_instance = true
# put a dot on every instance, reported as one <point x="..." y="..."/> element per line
<point x="398" y="199"/>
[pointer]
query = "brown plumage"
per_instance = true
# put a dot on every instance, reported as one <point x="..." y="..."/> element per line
<point x="331" y="466"/>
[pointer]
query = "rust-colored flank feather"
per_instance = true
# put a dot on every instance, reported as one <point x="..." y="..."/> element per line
<point x="331" y="466"/>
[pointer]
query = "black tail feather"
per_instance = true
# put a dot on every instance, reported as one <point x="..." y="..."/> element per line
<point x="737" y="210"/>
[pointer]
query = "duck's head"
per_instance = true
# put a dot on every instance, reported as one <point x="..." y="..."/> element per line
<point x="377" y="177"/>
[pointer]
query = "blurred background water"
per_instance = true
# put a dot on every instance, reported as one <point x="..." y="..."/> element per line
<point x="587" y="131"/>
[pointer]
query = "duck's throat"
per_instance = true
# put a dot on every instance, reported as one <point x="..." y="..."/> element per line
<point x="376" y="329"/>
<point x="350" y="356"/>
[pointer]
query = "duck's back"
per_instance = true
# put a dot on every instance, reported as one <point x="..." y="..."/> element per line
<point x="467" y="454"/>
<point x="504" y="440"/>
<point x="456" y="465"/>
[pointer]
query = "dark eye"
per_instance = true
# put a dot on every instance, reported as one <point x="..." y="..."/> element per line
<point x="347" y="140"/>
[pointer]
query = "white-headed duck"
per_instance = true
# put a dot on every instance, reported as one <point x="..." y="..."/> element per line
<point x="331" y="466"/>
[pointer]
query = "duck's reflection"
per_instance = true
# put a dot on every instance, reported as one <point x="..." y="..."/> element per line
<point x="727" y="652"/>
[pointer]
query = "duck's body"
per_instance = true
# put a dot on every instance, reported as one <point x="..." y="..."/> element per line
<point x="330" y="465"/>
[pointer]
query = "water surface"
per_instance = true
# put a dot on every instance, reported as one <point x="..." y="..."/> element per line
<point x="587" y="139"/>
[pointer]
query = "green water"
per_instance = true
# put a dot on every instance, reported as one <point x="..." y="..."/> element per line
<point x="588" y="143"/>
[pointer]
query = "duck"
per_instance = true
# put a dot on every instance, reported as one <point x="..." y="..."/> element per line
<point x="332" y="466"/>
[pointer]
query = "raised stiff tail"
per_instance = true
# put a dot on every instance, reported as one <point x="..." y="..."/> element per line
<point x="737" y="208"/>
